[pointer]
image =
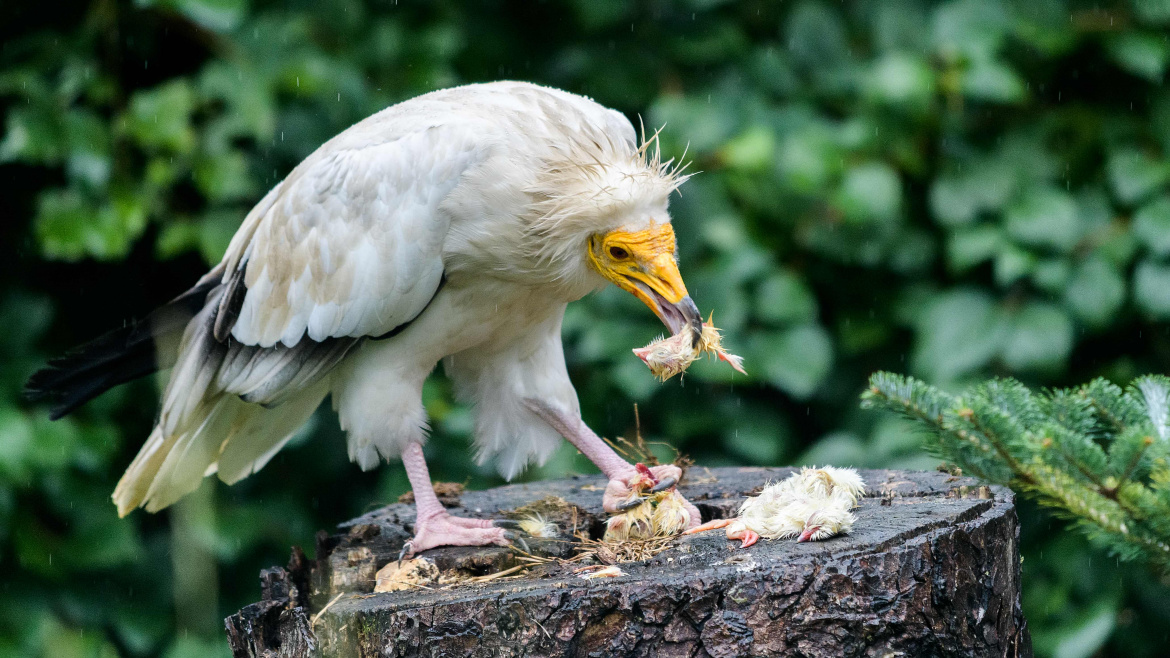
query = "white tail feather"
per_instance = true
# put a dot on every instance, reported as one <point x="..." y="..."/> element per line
<point x="234" y="439"/>
<point x="260" y="433"/>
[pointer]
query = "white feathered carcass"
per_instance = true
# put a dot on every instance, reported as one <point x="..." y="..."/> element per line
<point x="811" y="505"/>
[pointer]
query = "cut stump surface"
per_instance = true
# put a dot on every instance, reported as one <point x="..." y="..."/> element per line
<point x="932" y="568"/>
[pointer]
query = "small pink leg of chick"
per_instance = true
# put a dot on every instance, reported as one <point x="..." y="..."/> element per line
<point x="735" y="530"/>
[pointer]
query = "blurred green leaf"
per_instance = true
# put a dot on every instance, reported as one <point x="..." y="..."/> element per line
<point x="1151" y="224"/>
<point x="839" y="449"/>
<point x="783" y="298"/>
<point x="1095" y="293"/>
<point x="1135" y="175"/>
<point x="984" y="186"/>
<point x="970" y="28"/>
<point x="1141" y="54"/>
<point x="1045" y="217"/>
<point x="1152" y="11"/>
<point x="900" y="25"/>
<point x="759" y="436"/>
<point x="870" y="192"/>
<point x="994" y="81"/>
<point x="217" y="15"/>
<point x="224" y="177"/>
<point x="70" y="227"/>
<point x="1043" y="24"/>
<point x="89" y="157"/>
<point x="1013" y="264"/>
<point x="957" y="332"/>
<point x="1040" y="338"/>
<point x="751" y="151"/>
<point x="816" y="37"/>
<point x="795" y="360"/>
<point x="1051" y="274"/>
<point x="901" y="80"/>
<point x="32" y="136"/>
<point x="161" y="117"/>
<point x="190" y="647"/>
<point x="1151" y="289"/>
<point x="14" y="449"/>
<point x="1090" y="634"/>
<point x="809" y="160"/>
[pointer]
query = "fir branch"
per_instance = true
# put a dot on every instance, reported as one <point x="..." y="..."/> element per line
<point x="1098" y="455"/>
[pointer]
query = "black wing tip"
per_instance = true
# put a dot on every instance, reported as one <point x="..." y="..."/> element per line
<point x="69" y="381"/>
<point x="116" y="357"/>
<point x="35" y="393"/>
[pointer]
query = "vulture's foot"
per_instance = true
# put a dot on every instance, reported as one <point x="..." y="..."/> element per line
<point x="628" y="487"/>
<point x="443" y="529"/>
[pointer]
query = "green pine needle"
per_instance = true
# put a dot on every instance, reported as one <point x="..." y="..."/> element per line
<point x="1096" y="454"/>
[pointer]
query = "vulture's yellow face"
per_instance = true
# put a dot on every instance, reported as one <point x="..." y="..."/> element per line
<point x="643" y="263"/>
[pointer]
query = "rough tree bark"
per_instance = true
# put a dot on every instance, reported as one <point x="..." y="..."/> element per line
<point x="932" y="568"/>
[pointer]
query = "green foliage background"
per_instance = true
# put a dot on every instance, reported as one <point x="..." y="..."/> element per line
<point x="951" y="189"/>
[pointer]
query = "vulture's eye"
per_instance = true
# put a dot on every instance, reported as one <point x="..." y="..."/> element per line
<point x="617" y="253"/>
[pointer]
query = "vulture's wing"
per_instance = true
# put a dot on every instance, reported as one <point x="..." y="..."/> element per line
<point x="349" y="245"/>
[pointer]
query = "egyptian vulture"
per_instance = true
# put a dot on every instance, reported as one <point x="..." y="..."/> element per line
<point x="452" y="227"/>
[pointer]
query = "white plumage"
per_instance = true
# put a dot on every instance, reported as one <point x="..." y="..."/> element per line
<point x="453" y="227"/>
<point x="813" y="504"/>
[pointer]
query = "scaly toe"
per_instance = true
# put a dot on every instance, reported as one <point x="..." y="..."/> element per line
<point x="465" y="522"/>
<point x="447" y="530"/>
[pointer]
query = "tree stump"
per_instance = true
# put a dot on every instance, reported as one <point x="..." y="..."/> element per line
<point x="931" y="568"/>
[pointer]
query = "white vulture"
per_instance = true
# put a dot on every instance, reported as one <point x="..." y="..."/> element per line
<point x="453" y="227"/>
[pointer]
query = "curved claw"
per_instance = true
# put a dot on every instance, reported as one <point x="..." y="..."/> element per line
<point x="507" y="524"/>
<point x="516" y="539"/>
<point x="407" y="549"/>
<point x="663" y="484"/>
<point x="629" y="504"/>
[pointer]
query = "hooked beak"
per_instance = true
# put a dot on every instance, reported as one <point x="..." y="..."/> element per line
<point x="643" y="264"/>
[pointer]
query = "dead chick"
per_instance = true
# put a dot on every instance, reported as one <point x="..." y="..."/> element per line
<point x="811" y="505"/>
<point x="667" y="357"/>
<point x="648" y="513"/>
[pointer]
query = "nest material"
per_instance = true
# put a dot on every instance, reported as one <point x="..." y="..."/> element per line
<point x="409" y="574"/>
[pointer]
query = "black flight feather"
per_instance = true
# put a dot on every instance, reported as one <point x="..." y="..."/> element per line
<point x="117" y="357"/>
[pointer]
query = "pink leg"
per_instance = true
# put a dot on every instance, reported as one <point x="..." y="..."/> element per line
<point x="734" y="531"/>
<point x="433" y="526"/>
<point x="713" y="524"/>
<point x="622" y="476"/>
